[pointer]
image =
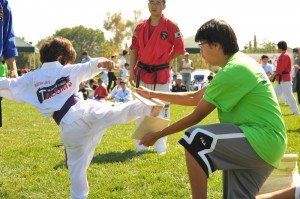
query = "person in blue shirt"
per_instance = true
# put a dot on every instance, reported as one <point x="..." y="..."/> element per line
<point x="8" y="48"/>
<point x="85" y="57"/>
<point x="124" y="93"/>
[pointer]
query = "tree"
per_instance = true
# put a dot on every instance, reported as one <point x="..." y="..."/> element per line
<point x="84" y="39"/>
<point x="22" y="60"/>
<point x="268" y="47"/>
<point x="255" y="43"/>
<point x="264" y="47"/>
<point x="109" y="48"/>
<point x="120" y="28"/>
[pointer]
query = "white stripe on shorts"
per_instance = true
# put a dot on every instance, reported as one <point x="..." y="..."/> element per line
<point x="215" y="137"/>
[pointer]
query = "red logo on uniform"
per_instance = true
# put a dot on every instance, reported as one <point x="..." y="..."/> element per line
<point x="164" y="35"/>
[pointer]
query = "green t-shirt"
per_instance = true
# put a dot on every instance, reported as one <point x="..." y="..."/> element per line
<point x="245" y="97"/>
<point x="3" y="70"/>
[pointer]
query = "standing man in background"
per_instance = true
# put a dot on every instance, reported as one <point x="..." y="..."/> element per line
<point x="85" y="57"/>
<point x="283" y="77"/>
<point x="186" y="70"/>
<point x="8" y="49"/>
<point x="155" y="43"/>
<point x="266" y="66"/>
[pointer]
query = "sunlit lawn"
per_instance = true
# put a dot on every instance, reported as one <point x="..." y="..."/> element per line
<point x="32" y="160"/>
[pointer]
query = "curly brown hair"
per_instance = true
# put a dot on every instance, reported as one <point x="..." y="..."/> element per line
<point x="54" y="47"/>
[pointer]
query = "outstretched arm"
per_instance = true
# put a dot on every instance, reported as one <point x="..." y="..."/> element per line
<point x="180" y="98"/>
<point x="11" y="88"/>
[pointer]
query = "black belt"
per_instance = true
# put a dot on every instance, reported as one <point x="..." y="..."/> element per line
<point x="58" y="115"/>
<point x="280" y="76"/>
<point x="149" y="69"/>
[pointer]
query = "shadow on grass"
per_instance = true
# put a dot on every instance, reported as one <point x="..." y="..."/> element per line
<point x="111" y="157"/>
<point x="61" y="165"/>
<point x="294" y="130"/>
<point x="58" y="145"/>
<point x="117" y="156"/>
<point x="287" y="114"/>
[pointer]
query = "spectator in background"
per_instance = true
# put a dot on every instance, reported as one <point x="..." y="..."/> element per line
<point x="84" y="89"/>
<point x="100" y="92"/>
<point x="112" y="94"/>
<point x="93" y="84"/>
<point x="283" y="77"/>
<point x="85" y="57"/>
<point x="199" y="82"/>
<point x="122" y="61"/>
<point x="3" y="68"/>
<point x="111" y="74"/>
<point x="297" y="81"/>
<point x="186" y="72"/>
<point x="297" y="77"/>
<point x="172" y="73"/>
<point x="124" y="72"/>
<point x="104" y="77"/>
<point x="271" y="64"/>
<point x="266" y="66"/>
<point x="179" y="86"/>
<point x="124" y="93"/>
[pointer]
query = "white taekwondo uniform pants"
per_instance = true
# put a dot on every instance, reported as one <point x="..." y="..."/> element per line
<point x="161" y="144"/>
<point x="285" y="89"/>
<point x="83" y="135"/>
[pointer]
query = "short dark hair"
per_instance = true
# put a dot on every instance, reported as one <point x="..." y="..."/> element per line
<point x="56" y="46"/>
<point x="164" y="1"/>
<point x="125" y="52"/>
<point x="282" y="45"/>
<point x="218" y="31"/>
<point x="84" y="53"/>
<point x="91" y="81"/>
<point x="296" y="50"/>
<point x="264" y="56"/>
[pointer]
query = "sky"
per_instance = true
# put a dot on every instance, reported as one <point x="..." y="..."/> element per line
<point x="271" y="20"/>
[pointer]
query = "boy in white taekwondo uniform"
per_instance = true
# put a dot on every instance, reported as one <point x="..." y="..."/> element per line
<point x="53" y="90"/>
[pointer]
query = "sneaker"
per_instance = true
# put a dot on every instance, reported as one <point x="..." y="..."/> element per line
<point x="140" y="148"/>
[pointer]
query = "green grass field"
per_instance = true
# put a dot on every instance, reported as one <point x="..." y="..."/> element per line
<point x="32" y="160"/>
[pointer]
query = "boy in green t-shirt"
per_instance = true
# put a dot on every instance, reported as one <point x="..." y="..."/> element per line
<point x="250" y="139"/>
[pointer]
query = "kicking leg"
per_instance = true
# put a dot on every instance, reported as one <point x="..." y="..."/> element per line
<point x="105" y="115"/>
